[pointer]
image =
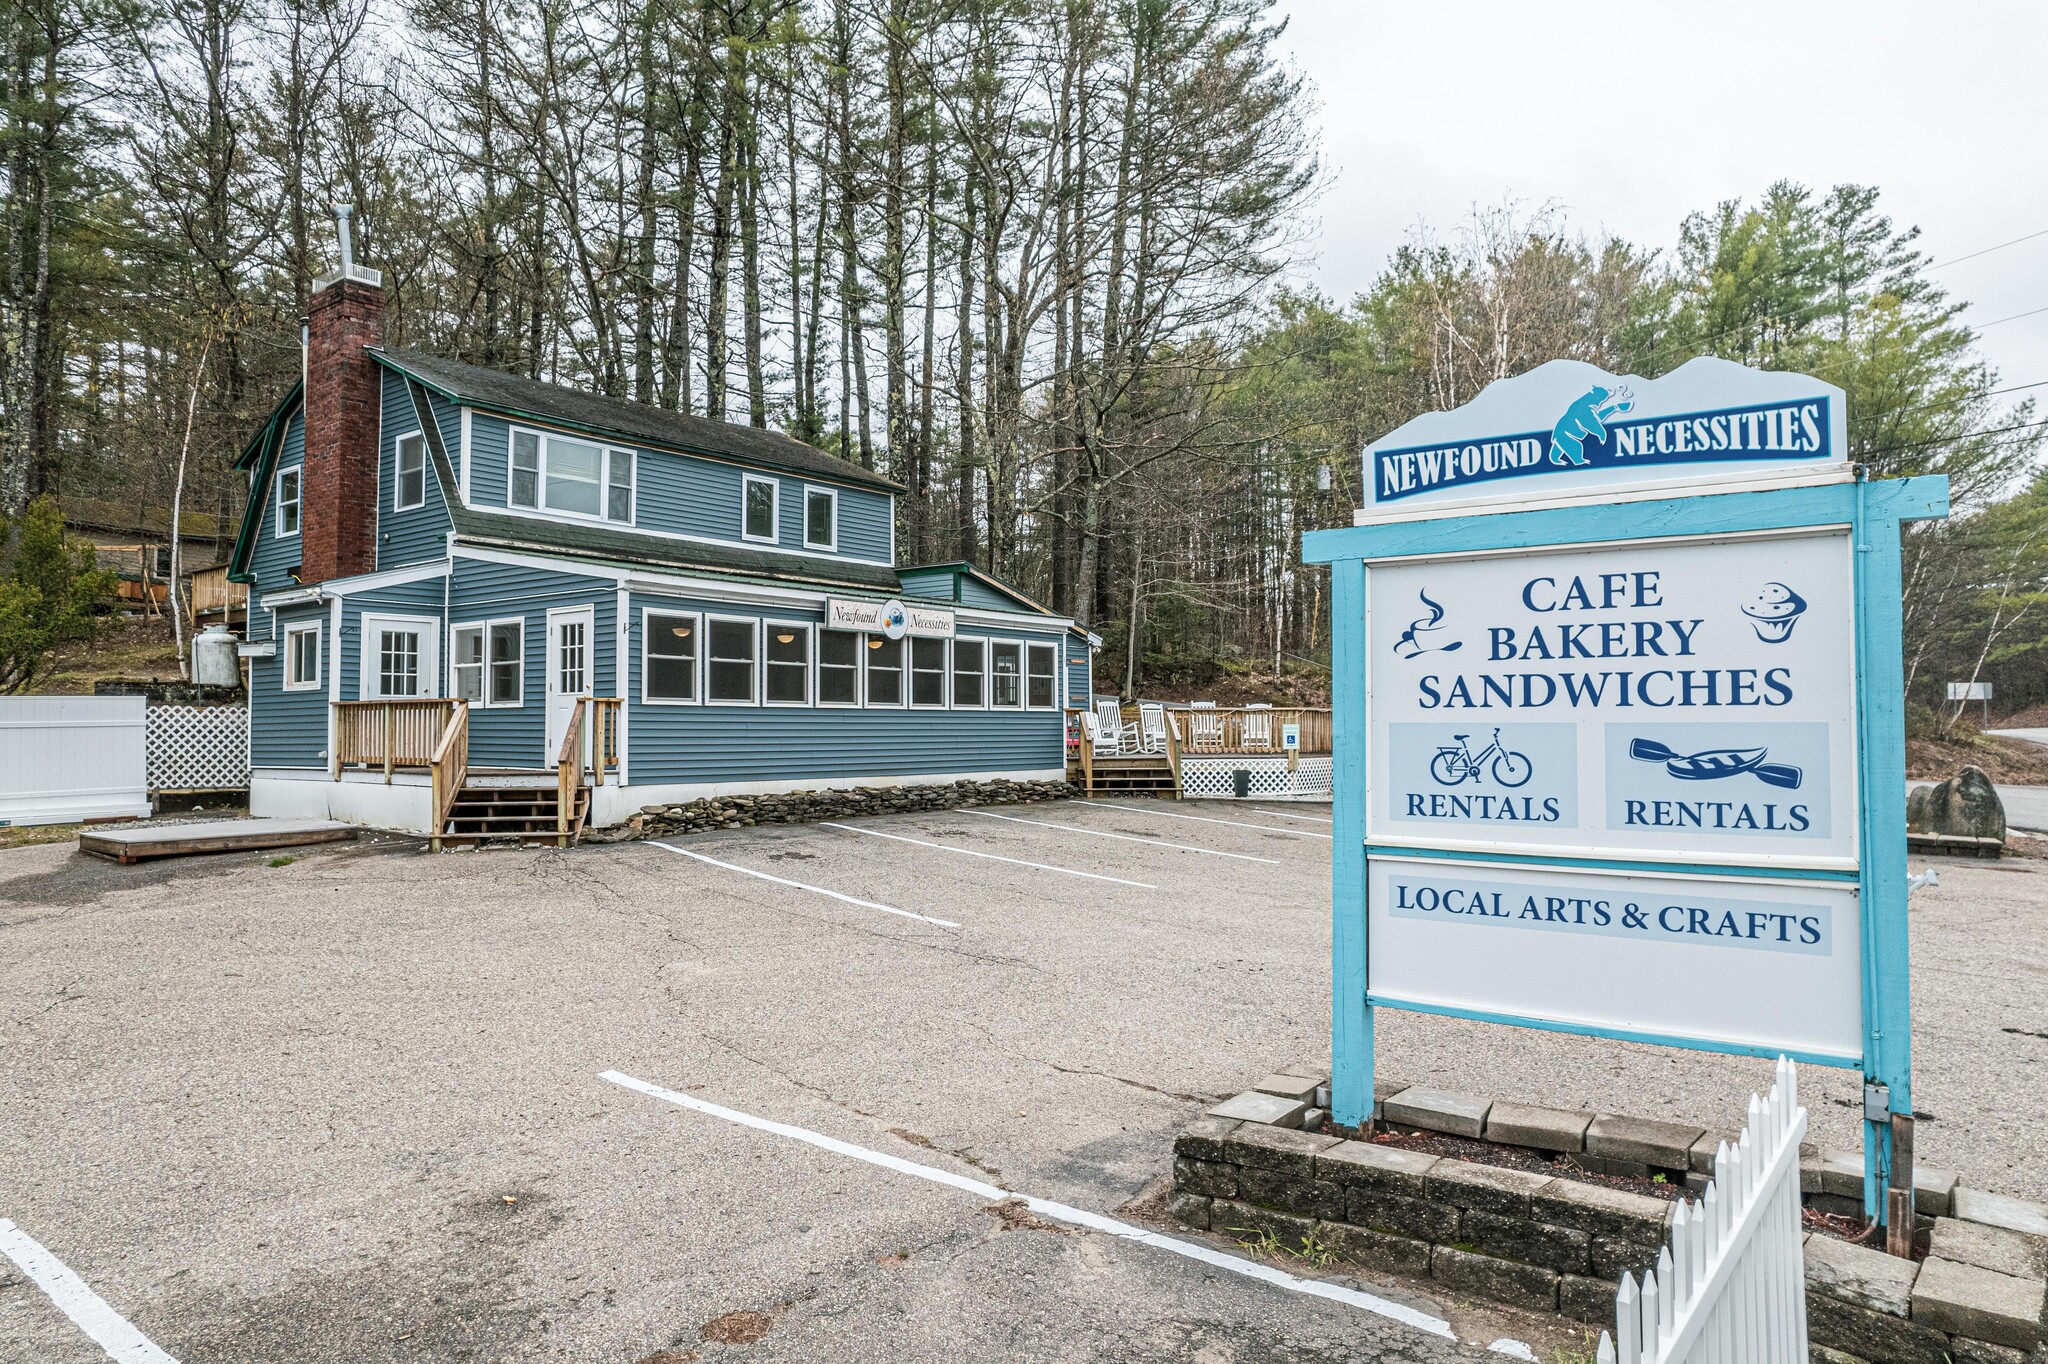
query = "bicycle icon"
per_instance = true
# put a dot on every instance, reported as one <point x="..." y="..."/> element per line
<point x="1453" y="765"/>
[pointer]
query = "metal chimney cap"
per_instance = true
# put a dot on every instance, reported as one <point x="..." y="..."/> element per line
<point x="362" y="274"/>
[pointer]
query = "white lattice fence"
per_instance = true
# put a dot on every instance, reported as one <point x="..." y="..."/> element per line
<point x="198" y="748"/>
<point x="1216" y="778"/>
<point x="1730" y="1285"/>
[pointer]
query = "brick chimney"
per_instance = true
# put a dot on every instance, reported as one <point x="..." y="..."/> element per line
<point x="338" y="528"/>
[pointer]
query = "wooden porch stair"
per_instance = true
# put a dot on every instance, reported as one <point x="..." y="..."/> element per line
<point x="1142" y="774"/>
<point x="524" y="814"/>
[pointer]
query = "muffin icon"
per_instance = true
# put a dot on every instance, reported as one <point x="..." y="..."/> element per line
<point x="1774" y="611"/>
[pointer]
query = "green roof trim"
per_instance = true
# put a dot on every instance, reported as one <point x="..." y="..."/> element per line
<point x="262" y="454"/>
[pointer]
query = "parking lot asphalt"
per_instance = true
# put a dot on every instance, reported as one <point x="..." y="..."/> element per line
<point x="353" y="1106"/>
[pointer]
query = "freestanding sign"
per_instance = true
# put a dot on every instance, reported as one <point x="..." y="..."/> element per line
<point x="1618" y="720"/>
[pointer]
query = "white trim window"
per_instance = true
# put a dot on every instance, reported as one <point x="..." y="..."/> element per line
<point x="1041" y="676"/>
<point x="302" y="658"/>
<point x="291" y="492"/>
<point x="970" y="674"/>
<point x="760" y="507"/>
<point x="409" y="472"/>
<point x="821" y="518"/>
<point x="669" y="642"/>
<point x="733" y="650"/>
<point x="571" y="477"/>
<point x="786" y="646"/>
<point x="884" y="670"/>
<point x="839" y="654"/>
<point x="928" y="673"/>
<point x="1005" y="674"/>
<point x="487" y="663"/>
<point x="400" y="660"/>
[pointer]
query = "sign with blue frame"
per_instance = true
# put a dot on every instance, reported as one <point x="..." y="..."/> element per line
<point x="1618" y="724"/>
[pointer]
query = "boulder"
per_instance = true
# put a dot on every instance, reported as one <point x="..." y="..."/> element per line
<point x="1964" y="806"/>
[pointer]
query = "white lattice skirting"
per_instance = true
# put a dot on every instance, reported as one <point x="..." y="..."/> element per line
<point x="1216" y="778"/>
<point x="198" y="748"/>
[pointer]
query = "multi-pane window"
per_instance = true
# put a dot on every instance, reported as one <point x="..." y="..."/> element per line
<point x="885" y="671"/>
<point x="557" y="473"/>
<point x="466" y="666"/>
<point x="927" y="672"/>
<point x="507" y="655"/>
<point x="572" y="657"/>
<point x="757" y="507"/>
<point x="398" y="662"/>
<point x="573" y="476"/>
<point x="412" y="472"/>
<point x="619" y="490"/>
<point x="970" y="668"/>
<point x="789" y="664"/>
<point x="839" y="654"/>
<point x="1040" y="687"/>
<point x="732" y="661"/>
<point x="289" y="485"/>
<point x="671" y="673"/>
<point x="525" y="489"/>
<point x="486" y="666"/>
<point x="1006" y="666"/>
<point x="302" y="658"/>
<point x="821" y="518"/>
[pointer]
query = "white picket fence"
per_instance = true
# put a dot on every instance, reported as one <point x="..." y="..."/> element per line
<point x="1730" y="1284"/>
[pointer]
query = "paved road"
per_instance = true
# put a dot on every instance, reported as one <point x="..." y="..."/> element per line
<point x="2026" y="807"/>
<point x="275" y="1113"/>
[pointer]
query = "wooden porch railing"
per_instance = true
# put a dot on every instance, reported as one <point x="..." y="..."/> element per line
<point x="1194" y="733"/>
<point x="389" y="734"/>
<point x="569" y="773"/>
<point x="450" y="768"/>
<point x="606" y="714"/>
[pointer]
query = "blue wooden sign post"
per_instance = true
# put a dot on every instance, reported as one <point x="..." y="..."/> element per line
<point x="1529" y="879"/>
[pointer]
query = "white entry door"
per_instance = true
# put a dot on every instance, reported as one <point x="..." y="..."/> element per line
<point x="570" y="664"/>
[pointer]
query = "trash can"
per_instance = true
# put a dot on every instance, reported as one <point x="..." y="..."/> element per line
<point x="1241" y="783"/>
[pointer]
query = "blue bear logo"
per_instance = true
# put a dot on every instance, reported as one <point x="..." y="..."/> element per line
<point x="1585" y="418"/>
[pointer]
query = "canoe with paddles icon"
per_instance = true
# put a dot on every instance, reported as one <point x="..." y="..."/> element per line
<point x="1711" y="764"/>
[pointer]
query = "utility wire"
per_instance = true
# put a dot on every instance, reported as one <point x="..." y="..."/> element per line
<point x="1957" y="260"/>
<point x="1980" y="326"/>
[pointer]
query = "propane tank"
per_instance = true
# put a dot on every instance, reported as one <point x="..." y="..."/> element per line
<point x="214" y="662"/>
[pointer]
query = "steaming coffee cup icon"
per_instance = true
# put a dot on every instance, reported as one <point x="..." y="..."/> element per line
<point x="1774" y="611"/>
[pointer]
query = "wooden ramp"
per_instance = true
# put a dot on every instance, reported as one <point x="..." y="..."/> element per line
<point x="211" y="836"/>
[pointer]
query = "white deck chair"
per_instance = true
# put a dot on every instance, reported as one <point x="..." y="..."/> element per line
<point x="1205" y="728"/>
<point x="1101" y="742"/>
<point x="1151" y="727"/>
<point x="1112" y="729"/>
<point x="1256" y="724"/>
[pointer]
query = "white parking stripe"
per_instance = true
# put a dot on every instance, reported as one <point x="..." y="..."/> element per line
<point x="1284" y="814"/>
<point x="1205" y="819"/>
<point x="798" y="885"/>
<point x="993" y="857"/>
<point x="88" y="1310"/>
<point x="1128" y="838"/>
<point x="1061" y="1212"/>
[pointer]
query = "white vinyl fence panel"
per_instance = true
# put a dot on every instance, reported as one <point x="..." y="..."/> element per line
<point x="70" y="758"/>
<point x="1730" y="1284"/>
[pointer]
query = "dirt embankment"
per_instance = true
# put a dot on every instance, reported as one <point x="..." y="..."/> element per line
<point x="2008" y="762"/>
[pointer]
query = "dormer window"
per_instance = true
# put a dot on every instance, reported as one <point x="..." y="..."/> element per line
<point x="560" y="474"/>
<point x="758" y="499"/>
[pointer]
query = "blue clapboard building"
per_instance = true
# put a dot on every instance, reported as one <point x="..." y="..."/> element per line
<point x="470" y="590"/>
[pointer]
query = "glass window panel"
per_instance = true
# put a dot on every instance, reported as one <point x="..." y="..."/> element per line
<point x="885" y="671"/>
<point x="969" y="662"/>
<point x="1039" y="689"/>
<point x="467" y="667"/>
<point x="288" y="484"/>
<point x="732" y="661"/>
<point x="507" y="644"/>
<point x="820" y="518"/>
<point x="569" y="658"/>
<point x="302" y="648"/>
<point x="619" y="495"/>
<point x="838" y="668"/>
<point x="525" y="469"/>
<point x="574" y="470"/>
<point x="789" y="663"/>
<point x="927" y="672"/>
<point x="760" y="509"/>
<point x="672" y="657"/>
<point x="412" y="471"/>
<point x="398" y="662"/>
<point x="1006" y="663"/>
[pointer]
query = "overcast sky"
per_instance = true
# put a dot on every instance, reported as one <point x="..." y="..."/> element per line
<point x="1630" y="115"/>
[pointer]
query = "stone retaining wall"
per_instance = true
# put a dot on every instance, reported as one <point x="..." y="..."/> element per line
<point x="804" y="807"/>
<point x="1247" y="1171"/>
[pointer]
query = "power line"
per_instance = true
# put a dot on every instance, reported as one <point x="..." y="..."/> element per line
<point x="1951" y="440"/>
<point x="1980" y="326"/>
<point x="1957" y="260"/>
